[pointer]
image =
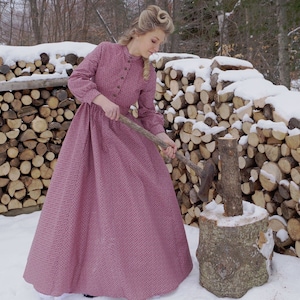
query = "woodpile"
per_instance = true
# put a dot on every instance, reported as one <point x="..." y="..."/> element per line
<point x="36" y="114"/>
<point x="199" y="111"/>
<point x="33" y="126"/>
<point x="41" y="66"/>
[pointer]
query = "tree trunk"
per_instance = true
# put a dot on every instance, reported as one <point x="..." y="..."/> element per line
<point x="283" y="44"/>
<point x="230" y="177"/>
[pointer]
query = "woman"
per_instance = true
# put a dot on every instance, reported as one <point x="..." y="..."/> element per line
<point x="111" y="224"/>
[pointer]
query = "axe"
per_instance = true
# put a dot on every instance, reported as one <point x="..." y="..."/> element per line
<point x="206" y="174"/>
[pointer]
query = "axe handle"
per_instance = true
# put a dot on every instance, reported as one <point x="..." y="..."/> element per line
<point x="160" y="143"/>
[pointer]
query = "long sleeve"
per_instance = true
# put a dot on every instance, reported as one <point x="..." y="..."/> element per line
<point x="81" y="81"/>
<point x="151" y="120"/>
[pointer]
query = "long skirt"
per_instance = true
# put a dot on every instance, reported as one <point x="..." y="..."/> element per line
<point x="111" y="224"/>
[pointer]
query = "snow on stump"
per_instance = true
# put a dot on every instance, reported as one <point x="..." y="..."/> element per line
<point x="235" y="244"/>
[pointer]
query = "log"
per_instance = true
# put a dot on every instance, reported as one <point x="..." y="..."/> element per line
<point x="14" y="204"/>
<point x="285" y="150"/>
<point x="288" y="209"/>
<point x="39" y="125"/>
<point x="258" y="198"/>
<point x="14" y="186"/>
<point x="286" y="164"/>
<point x="191" y="97"/>
<point x="277" y="223"/>
<point x="273" y="152"/>
<point x="175" y="86"/>
<point x="230" y="177"/>
<point x="295" y="174"/>
<point x="293" y="141"/>
<point x="293" y="227"/>
<point x="33" y="84"/>
<point x="4" y="169"/>
<point x="5" y="199"/>
<point x="270" y="176"/>
<point x="296" y="154"/>
<point x="198" y="84"/>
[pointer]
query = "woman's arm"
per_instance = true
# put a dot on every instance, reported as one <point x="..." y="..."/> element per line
<point x="150" y="118"/>
<point x="81" y="81"/>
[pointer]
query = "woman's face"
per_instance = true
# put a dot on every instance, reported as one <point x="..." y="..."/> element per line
<point x="149" y="43"/>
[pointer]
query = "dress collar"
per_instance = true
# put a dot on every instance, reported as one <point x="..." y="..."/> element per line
<point x="128" y="55"/>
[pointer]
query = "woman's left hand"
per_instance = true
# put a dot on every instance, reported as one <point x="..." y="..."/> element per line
<point x="171" y="149"/>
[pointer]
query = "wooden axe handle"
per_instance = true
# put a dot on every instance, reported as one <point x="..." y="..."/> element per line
<point x="160" y="143"/>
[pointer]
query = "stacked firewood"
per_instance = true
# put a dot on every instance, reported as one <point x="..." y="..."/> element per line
<point x="41" y="66"/>
<point x="35" y="115"/>
<point x="198" y="111"/>
<point x="33" y="126"/>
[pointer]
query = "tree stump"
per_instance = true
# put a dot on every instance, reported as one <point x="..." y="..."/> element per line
<point x="234" y="253"/>
<point x="235" y="245"/>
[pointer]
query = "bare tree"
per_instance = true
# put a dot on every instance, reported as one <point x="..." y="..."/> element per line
<point x="283" y="51"/>
<point x="37" y="18"/>
<point x="255" y="30"/>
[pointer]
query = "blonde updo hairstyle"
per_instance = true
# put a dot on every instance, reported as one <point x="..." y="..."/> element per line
<point x="150" y="19"/>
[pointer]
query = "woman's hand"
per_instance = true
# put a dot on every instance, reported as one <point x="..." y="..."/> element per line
<point x="111" y="110"/>
<point x="171" y="149"/>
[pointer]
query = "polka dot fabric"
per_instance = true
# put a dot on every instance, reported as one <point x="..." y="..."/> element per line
<point x="110" y="225"/>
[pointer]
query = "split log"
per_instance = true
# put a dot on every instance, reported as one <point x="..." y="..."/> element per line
<point x="270" y="175"/>
<point x="34" y="84"/>
<point x="230" y="177"/>
<point x="293" y="227"/>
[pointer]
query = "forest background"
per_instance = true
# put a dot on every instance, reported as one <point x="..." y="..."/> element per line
<point x="264" y="32"/>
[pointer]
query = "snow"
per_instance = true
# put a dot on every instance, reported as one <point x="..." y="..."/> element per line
<point x="231" y="61"/>
<point x="237" y="75"/>
<point x="253" y="88"/>
<point x="282" y="234"/>
<point x="286" y="103"/>
<point x="56" y="52"/>
<point x="251" y="214"/>
<point x="17" y="232"/>
<point x="12" y="54"/>
<point x="157" y="56"/>
<point x="191" y="65"/>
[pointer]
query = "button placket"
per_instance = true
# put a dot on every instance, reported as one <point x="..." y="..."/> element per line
<point x="122" y="78"/>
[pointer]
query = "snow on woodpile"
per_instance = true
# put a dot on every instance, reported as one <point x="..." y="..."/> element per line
<point x="51" y="60"/>
<point x="205" y="99"/>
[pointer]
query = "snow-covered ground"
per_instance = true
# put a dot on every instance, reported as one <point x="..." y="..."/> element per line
<point x="17" y="234"/>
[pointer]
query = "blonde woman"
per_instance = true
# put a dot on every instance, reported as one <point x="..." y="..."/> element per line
<point x="111" y="224"/>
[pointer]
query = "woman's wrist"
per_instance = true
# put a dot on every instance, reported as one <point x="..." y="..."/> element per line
<point x="99" y="100"/>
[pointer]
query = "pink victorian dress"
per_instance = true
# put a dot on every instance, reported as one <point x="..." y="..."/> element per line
<point x="111" y="224"/>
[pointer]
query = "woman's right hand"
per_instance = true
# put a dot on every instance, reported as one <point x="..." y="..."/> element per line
<point x="111" y="110"/>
